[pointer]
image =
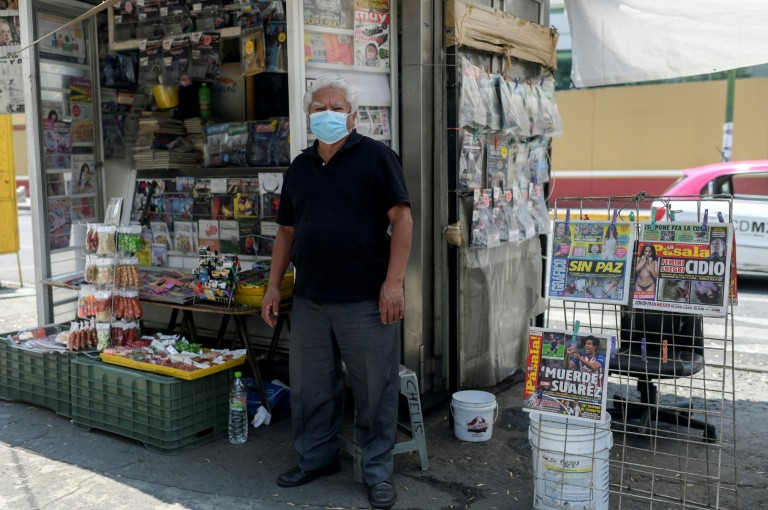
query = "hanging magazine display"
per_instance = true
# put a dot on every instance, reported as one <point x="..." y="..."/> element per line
<point x="591" y="261"/>
<point x="372" y="33"/>
<point x="683" y="267"/>
<point x="565" y="374"/>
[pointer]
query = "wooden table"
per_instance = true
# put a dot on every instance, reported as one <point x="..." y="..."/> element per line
<point x="240" y="313"/>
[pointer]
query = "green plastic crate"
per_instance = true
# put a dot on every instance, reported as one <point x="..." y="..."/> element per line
<point x="167" y="414"/>
<point x="35" y="378"/>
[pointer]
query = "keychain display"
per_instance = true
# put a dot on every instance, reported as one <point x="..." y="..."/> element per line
<point x="471" y="160"/>
<point x="216" y="277"/>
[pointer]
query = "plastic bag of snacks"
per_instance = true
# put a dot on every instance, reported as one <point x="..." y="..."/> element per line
<point x="82" y="335"/>
<point x="103" y="305"/>
<point x="129" y="238"/>
<point x="105" y="271"/>
<point x="103" y="336"/>
<point x="107" y="244"/>
<point x="127" y="305"/>
<point x="91" y="272"/>
<point x="127" y="273"/>
<point x="92" y="238"/>
<point x="86" y="303"/>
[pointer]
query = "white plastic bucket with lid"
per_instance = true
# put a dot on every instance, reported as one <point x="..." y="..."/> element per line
<point x="570" y="462"/>
<point x="474" y="413"/>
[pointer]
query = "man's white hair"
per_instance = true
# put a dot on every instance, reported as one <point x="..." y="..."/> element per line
<point x="330" y="81"/>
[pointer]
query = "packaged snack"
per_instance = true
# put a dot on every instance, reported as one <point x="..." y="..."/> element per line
<point x="106" y="271"/>
<point x="86" y="303"/>
<point x="92" y="238"/>
<point x="107" y="244"/>
<point x="129" y="239"/>
<point x="103" y="305"/>
<point x="91" y="272"/>
<point x="103" y="336"/>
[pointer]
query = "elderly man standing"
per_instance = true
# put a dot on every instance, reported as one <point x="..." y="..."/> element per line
<point x="345" y="223"/>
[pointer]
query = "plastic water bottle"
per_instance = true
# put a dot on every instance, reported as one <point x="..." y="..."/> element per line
<point x="238" y="411"/>
<point x="204" y="97"/>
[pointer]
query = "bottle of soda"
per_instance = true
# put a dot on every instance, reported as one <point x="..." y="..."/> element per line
<point x="238" y="411"/>
<point x="204" y="96"/>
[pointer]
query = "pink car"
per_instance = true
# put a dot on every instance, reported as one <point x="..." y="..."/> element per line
<point x="747" y="181"/>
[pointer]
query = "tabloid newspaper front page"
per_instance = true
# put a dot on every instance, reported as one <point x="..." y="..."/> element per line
<point x="566" y="375"/>
<point x="591" y="261"/>
<point x="683" y="267"/>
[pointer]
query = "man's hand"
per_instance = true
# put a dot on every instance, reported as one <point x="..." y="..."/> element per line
<point x="270" y="306"/>
<point x="391" y="302"/>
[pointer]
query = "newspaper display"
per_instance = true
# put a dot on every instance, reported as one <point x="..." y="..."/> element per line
<point x="372" y="33"/>
<point x="683" y="267"/>
<point x="591" y="261"/>
<point x="565" y="374"/>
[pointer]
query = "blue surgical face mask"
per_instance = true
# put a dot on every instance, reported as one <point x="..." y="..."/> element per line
<point x="328" y="126"/>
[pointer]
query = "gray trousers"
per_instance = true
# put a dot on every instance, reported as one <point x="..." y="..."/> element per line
<point x="324" y="334"/>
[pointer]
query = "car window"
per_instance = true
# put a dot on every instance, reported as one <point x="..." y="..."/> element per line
<point x="750" y="185"/>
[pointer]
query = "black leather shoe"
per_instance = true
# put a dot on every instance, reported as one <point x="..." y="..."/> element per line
<point x="297" y="476"/>
<point x="382" y="495"/>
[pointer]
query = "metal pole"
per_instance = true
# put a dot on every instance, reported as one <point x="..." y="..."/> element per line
<point x="728" y="125"/>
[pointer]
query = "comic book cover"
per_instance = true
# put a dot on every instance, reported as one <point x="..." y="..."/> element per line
<point x="566" y="374"/>
<point x="591" y="261"/>
<point x="183" y="237"/>
<point x="268" y="235"/>
<point x="372" y="33"/>
<point x="160" y="233"/>
<point x="683" y="267"/>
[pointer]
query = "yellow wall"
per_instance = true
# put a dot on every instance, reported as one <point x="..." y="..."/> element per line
<point x="668" y="126"/>
<point x="20" y="146"/>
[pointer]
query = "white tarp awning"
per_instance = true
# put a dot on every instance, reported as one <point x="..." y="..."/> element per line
<point x="627" y="41"/>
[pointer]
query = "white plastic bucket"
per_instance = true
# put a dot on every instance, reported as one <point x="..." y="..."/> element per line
<point x="570" y="463"/>
<point x="474" y="413"/>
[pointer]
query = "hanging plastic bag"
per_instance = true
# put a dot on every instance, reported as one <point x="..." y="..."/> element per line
<point x="490" y="98"/>
<point x="553" y="122"/>
<point x="206" y="55"/>
<point x="484" y="231"/>
<point x="539" y="210"/>
<point x="518" y="164"/>
<point x="176" y="58"/>
<point x="500" y="216"/>
<point x="150" y="63"/>
<point x="252" y="58"/>
<point x="514" y="119"/>
<point x="471" y="161"/>
<point x="471" y="109"/>
<point x="522" y="213"/>
<point x="533" y="106"/>
<point x="497" y="166"/>
<point x="538" y="163"/>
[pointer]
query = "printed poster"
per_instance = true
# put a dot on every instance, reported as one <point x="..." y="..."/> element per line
<point x="11" y="76"/>
<point x="591" y="261"/>
<point x="683" y="267"/>
<point x="372" y="33"/>
<point x="67" y="44"/>
<point x="566" y="374"/>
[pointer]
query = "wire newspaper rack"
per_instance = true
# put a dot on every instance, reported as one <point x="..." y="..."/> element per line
<point x="670" y="390"/>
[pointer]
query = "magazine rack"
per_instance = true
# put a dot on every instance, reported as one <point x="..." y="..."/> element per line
<point x="216" y="277"/>
<point x="672" y="370"/>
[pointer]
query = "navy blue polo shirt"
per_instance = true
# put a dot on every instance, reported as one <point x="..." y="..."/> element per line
<point x="339" y="214"/>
